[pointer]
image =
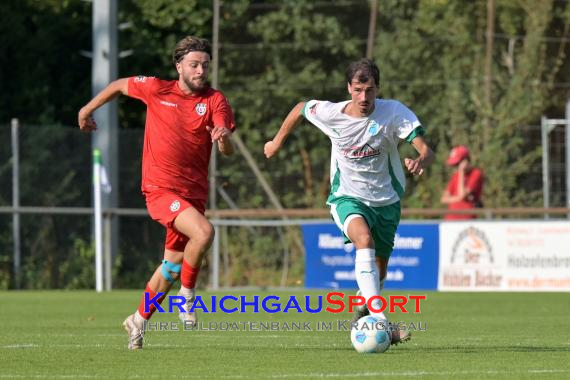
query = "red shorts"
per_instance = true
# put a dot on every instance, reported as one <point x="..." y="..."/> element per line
<point x="164" y="206"/>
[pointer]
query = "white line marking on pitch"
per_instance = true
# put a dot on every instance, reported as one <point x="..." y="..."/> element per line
<point x="24" y="345"/>
<point x="304" y="375"/>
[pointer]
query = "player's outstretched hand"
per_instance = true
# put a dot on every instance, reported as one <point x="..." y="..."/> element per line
<point x="218" y="133"/>
<point x="414" y="166"/>
<point x="86" y="121"/>
<point x="271" y="148"/>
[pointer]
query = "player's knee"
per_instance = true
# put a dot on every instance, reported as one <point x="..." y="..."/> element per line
<point x="205" y="235"/>
<point x="170" y="271"/>
<point x="363" y="240"/>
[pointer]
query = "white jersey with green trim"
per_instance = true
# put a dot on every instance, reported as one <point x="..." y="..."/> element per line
<point x="365" y="163"/>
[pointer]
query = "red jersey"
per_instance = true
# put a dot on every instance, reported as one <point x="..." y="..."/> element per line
<point x="474" y="181"/>
<point x="177" y="146"/>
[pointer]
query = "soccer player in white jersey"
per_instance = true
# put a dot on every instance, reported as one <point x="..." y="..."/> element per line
<point x="367" y="178"/>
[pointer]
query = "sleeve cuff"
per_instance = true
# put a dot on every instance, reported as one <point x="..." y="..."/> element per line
<point x="418" y="131"/>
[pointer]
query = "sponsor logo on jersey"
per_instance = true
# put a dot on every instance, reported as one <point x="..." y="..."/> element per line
<point x="140" y="78"/>
<point x="313" y="109"/>
<point x="175" y="206"/>
<point x="164" y="102"/>
<point x="201" y="109"/>
<point x="356" y="152"/>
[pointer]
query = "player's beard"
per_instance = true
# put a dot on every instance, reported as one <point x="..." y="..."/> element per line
<point x="196" y="86"/>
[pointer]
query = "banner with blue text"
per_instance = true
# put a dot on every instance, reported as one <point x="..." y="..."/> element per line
<point x="329" y="262"/>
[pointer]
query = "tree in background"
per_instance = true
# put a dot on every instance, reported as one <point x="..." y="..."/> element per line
<point x="288" y="51"/>
<point x="432" y="54"/>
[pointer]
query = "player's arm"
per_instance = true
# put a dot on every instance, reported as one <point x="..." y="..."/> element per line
<point x="114" y="89"/>
<point x="425" y="157"/>
<point x="225" y="145"/>
<point x="223" y="125"/>
<point x="222" y="135"/>
<point x="291" y="121"/>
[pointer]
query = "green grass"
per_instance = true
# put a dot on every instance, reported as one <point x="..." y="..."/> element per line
<point x="469" y="335"/>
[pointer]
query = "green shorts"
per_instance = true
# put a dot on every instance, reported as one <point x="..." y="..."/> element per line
<point x="382" y="221"/>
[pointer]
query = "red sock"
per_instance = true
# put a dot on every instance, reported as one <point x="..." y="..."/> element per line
<point x="151" y="307"/>
<point x="188" y="275"/>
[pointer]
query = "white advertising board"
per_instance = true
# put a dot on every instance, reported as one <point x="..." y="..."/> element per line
<point x="504" y="256"/>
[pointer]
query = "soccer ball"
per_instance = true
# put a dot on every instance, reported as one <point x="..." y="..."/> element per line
<point x="370" y="335"/>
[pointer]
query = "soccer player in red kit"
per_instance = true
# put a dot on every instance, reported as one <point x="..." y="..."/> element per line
<point x="185" y="117"/>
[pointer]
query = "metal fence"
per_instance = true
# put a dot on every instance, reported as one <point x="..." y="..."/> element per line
<point x="51" y="217"/>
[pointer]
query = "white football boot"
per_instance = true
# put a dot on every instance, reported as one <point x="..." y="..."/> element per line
<point x="399" y="336"/>
<point x="190" y="319"/>
<point x="136" y="333"/>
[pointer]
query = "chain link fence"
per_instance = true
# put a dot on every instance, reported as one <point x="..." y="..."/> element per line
<point x="57" y="251"/>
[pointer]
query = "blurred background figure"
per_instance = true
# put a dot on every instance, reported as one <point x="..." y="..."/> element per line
<point x="464" y="189"/>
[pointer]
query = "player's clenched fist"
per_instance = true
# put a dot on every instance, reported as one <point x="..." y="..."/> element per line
<point x="86" y="121"/>
<point x="270" y="149"/>
<point x="218" y="133"/>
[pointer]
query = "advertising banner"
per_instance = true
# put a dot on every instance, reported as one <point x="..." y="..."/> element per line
<point x="505" y="256"/>
<point x="329" y="262"/>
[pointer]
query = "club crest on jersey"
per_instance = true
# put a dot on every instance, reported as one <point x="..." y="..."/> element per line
<point x="175" y="206"/>
<point x="374" y="128"/>
<point x="201" y="109"/>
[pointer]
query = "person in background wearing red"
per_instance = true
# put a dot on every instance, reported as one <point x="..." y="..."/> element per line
<point x="464" y="189"/>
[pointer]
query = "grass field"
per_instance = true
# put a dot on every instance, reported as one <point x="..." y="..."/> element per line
<point x="468" y="335"/>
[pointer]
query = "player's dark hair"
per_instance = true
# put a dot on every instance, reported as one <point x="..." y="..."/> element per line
<point x="188" y="44"/>
<point x="362" y="70"/>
